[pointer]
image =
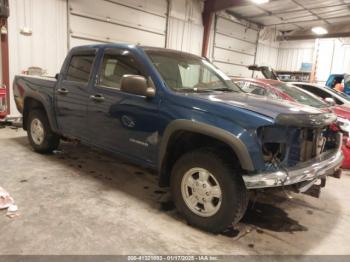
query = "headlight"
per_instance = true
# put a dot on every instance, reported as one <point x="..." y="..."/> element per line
<point x="344" y="124"/>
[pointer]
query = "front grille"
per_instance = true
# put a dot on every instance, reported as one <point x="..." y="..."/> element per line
<point x="295" y="145"/>
<point x="309" y="144"/>
<point x="294" y="154"/>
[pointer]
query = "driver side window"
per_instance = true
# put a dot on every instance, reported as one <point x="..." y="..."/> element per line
<point x="116" y="64"/>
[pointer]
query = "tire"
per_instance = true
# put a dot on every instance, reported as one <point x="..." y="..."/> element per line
<point x="38" y="126"/>
<point x="234" y="195"/>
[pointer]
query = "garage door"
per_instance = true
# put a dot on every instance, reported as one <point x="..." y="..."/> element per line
<point x="234" y="47"/>
<point x="120" y="21"/>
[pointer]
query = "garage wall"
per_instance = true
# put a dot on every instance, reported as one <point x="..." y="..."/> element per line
<point x="292" y="53"/>
<point x="46" y="46"/>
<point x="185" y="27"/>
<point x="132" y="22"/>
<point x="341" y="61"/>
<point x="138" y="22"/>
<point x="333" y="58"/>
<point x="267" y="51"/>
<point x="234" y="45"/>
<point x="267" y="54"/>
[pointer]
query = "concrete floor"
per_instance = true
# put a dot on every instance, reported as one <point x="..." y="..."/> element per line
<point x="80" y="201"/>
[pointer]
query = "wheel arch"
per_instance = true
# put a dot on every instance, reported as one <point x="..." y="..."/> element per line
<point x="207" y="133"/>
<point x="31" y="103"/>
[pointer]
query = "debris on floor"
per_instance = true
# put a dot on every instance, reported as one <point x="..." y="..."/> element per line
<point x="5" y="199"/>
<point x="7" y="202"/>
<point x="57" y="152"/>
<point x="12" y="211"/>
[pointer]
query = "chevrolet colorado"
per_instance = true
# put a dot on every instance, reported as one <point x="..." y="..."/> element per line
<point x="180" y="115"/>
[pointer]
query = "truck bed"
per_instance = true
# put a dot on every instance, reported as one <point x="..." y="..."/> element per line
<point x="33" y="86"/>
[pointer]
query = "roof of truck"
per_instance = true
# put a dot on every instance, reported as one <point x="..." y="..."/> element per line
<point x="128" y="46"/>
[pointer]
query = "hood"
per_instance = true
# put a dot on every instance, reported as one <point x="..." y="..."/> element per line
<point x="282" y="111"/>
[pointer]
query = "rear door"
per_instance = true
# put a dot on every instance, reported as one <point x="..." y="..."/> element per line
<point x="72" y="94"/>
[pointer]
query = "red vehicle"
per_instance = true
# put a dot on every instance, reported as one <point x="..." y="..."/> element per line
<point x="281" y="90"/>
<point x="3" y="106"/>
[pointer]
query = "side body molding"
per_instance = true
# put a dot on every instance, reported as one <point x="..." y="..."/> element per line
<point x="187" y="125"/>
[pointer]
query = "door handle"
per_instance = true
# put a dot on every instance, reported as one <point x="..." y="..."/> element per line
<point x="97" y="98"/>
<point x="62" y="91"/>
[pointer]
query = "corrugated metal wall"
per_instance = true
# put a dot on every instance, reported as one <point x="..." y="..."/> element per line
<point x="234" y="45"/>
<point x="341" y="59"/>
<point x="46" y="47"/>
<point x="267" y="55"/>
<point x="185" y="28"/>
<point x="292" y="53"/>
<point x="333" y="58"/>
<point x="141" y="22"/>
<point x="133" y="22"/>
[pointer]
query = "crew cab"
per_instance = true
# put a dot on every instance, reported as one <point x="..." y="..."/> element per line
<point x="178" y="114"/>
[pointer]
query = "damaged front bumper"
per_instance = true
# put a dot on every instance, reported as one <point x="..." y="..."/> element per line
<point x="325" y="164"/>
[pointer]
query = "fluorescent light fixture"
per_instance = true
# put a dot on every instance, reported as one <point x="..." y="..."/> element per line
<point x="259" y="2"/>
<point x="318" y="30"/>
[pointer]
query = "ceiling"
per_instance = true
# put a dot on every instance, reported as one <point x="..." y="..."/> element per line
<point x="291" y="15"/>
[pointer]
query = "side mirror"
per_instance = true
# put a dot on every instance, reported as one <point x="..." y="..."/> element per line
<point x="330" y="101"/>
<point x="57" y="76"/>
<point x="138" y="85"/>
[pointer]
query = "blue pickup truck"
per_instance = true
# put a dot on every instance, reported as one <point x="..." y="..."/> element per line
<point x="180" y="115"/>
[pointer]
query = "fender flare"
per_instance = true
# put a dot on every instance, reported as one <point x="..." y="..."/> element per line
<point x="228" y="138"/>
<point x="48" y="111"/>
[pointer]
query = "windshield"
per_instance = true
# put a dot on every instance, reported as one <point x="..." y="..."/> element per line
<point x="300" y="96"/>
<point x="187" y="73"/>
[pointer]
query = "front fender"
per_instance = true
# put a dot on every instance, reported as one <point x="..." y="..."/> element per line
<point x="231" y="140"/>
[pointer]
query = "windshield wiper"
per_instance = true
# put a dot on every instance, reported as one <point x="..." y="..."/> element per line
<point x="223" y="89"/>
<point x="206" y="90"/>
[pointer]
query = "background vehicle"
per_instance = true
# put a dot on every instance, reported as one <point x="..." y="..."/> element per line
<point x="287" y="91"/>
<point x="323" y="92"/>
<point x="178" y="114"/>
<point x="332" y="81"/>
<point x="343" y="79"/>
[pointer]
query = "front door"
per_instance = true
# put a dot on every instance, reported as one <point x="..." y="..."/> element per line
<point x="122" y="122"/>
<point x="72" y="94"/>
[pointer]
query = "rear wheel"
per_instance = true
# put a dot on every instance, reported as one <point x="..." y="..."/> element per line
<point x="208" y="190"/>
<point x="40" y="135"/>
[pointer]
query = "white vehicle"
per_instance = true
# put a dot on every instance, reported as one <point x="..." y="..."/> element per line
<point x="324" y="92"/>
<point x="330" y="96"/>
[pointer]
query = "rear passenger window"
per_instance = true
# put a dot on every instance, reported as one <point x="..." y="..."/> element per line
<point x="115" y="65"/>
<point x="79" y="68"/>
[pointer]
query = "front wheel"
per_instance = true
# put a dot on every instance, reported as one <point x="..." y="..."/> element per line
<point x="208" y="190"/>
<point x="41" y="137"/>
